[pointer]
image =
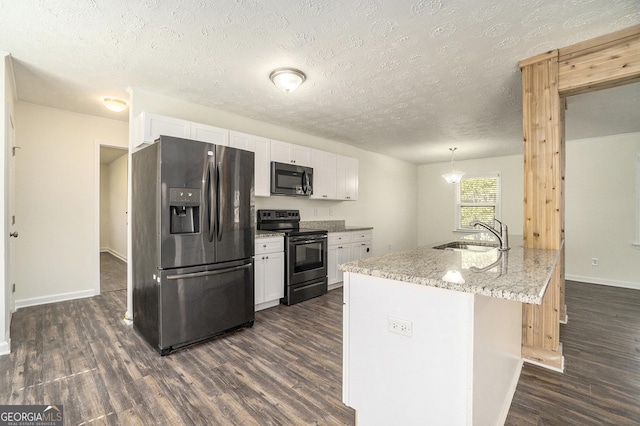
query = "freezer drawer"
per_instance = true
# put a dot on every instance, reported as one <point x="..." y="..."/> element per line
<point x="201" y="302"/>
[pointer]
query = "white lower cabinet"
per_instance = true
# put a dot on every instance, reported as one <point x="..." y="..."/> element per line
<point x="269" y="272"/>
<point x="344" y="247"/>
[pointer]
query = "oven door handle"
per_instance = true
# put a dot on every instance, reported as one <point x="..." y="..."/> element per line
<point x="305" y="240"/>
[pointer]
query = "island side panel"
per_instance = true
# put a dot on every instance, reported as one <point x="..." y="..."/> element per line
<point x="395" y="379"/>
<point x="497" y="361"/>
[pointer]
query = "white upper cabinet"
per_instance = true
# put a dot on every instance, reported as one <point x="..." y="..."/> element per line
<point x="324" y="174"/>
<point x="347" y="178"/>
<point x="150" y="126"/>
<point x="261" y="147"/>
<point x="211" y="134"/>
<point x="335" y="177"/>
<point x="283" y="152"/>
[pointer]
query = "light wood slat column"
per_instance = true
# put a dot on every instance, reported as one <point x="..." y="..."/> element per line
<point x="600" y="63"/>
<point x="603" y="62"/>
<point x="544" y="159"/>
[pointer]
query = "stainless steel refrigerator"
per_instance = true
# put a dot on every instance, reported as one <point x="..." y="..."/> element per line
<point x="193" y="241"/>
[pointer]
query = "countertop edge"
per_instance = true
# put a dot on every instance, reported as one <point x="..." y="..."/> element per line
<point x="504" y="293"/>
<point x="268" y="234"/>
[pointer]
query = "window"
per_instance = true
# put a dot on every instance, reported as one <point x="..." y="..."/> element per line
<point x="477" y="199"/>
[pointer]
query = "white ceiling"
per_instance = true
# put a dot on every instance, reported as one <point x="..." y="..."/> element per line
<point x="408" y="79"/>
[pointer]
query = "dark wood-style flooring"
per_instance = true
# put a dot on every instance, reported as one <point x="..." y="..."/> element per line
<point x="286" y="370"/>
<point x="601" y="382"/>
<point x="113" y="273"/>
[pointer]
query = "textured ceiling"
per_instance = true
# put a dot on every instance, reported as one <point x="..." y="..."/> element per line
<point x="407" y="79"/>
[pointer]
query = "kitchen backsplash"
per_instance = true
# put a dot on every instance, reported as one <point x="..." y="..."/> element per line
<point x="323" y="224"/>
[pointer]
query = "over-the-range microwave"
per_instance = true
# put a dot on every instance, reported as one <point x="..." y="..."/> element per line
<point x="289" y="179"/>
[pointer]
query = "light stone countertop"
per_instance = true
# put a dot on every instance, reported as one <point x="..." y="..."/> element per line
<point x="268" y="234"/>
<point x="520" y="274"/>
<point x="332" y="226"/>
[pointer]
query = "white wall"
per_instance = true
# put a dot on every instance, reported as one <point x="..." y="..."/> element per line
<point x="436" y="198"/>
<point x="601" y="209"/>
<point x="117" y="171"/>
<point x="56" y="172"/>
<point x="105" y="209"/>
<point x="113" y="207"/>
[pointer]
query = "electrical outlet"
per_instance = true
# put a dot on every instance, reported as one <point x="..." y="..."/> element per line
<point x="399" y="326"/>
<point x="594" y="261"/>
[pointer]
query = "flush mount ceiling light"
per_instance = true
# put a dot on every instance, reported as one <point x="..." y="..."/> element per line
<point x="114" y="104"/>
<point x="453" y="176"/>
<point x="287" y="79"/>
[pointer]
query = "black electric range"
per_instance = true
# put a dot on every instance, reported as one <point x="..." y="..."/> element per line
<point x="306" y="253"/>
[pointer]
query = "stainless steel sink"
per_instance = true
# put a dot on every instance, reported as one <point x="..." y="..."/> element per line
<point x="466" y="246"/>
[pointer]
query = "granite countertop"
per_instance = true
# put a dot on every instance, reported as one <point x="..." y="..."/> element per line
<point x="332" y="226"/>
<point x="520" y="274"/>
<point x="268" y="234"/>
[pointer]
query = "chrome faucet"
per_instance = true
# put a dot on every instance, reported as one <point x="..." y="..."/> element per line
<point x="502" y="234"/>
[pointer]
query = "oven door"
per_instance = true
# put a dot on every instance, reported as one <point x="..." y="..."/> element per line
<point x="306" y="258"/>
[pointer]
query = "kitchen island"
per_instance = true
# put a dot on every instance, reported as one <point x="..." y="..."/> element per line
<point x="434" y="336"/>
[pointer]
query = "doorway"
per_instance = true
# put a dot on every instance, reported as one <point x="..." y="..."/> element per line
<point x="113" y="218"/>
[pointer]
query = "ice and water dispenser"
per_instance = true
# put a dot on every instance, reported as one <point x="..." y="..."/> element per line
<point x="185" y="210"/>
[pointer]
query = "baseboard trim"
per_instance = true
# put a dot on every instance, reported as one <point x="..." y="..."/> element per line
<point x="334" y="286"/>
<point x="53" y="298"/>
<point x="114" y="253"/>
<point x="602" y="281"/>
<point x="545" y="358"/>
<point x="5" y="347"/>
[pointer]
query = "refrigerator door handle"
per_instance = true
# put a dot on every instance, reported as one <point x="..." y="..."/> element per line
<point x="308" y="190"/>
<point x="211" y="200"/>
<point x="207" y="273"/>
<point x="221" y="205"/>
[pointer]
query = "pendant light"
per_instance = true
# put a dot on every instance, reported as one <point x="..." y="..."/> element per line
<point x="453" y="176"/>
<point x="287" y="79"/>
